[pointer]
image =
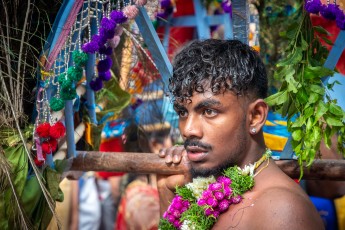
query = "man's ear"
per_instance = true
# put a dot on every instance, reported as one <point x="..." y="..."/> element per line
<point x="258" y="111"/>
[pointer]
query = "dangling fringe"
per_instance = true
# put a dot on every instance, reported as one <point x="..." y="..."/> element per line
<point x="49" y="199"/>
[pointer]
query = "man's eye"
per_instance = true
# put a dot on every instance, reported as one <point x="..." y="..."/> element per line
<point x="210" y="112"/>
<point x="182" y="113"/>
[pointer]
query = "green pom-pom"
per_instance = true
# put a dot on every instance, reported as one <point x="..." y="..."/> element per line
<point x="65" y="82"/>
<point x="68" y="93"/>
<point x="75" y="73"/>
<point x="56" y="104"/>
<point x="79" y="58"/>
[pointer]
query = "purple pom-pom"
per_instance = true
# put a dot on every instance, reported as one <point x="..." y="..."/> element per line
<point x="105" y="50"/>
<point x="171" y="218"/>
<point x="108" y="24"/>
<point x="105" y="76"/>
<point x="118" y="16"/>
<point x="341" y="23"/>
<point x="96" y="84"/>
<point x="177" y="224"/>
<point x="212" y="202"/>
<point x="329" y="11"/>
<point x="226" y="6"/>
<point x="313" y="6"/>
<point x="100" y="40"/>
<point x="104" y="65"/>
<point x="165" y="4"/>
<point x="106" y="34"/>
<point x="90" y="47"/>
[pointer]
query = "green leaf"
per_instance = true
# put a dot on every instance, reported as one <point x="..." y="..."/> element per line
<point x="336" y="110"/>
<point x="317" y="89"/>
<point x="298" y="122"/>
<point x="329" y="42"/>
<point x="302" y="96"/>
<point x="314" y="97"/>
<point x="292" y="58"/>
<point x="308" y="112"/>
<point x="297" y="135"/>
<point x="332" y="121"/>
<point x="327" y="137"/>
<point x="304" y="44"/>
<point x="277" y="98"/>
<point x="321" y="30"/>
<point x="321" y="109"/>
<point x="317" y="72"/>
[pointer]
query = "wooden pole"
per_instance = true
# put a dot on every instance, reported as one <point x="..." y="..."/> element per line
<point x="151" y="163"/>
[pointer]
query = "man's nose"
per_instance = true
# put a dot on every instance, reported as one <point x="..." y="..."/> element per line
<point x="191" y="127"/>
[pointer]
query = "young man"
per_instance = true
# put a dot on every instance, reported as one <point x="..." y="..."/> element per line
<point x="218" y="89"/>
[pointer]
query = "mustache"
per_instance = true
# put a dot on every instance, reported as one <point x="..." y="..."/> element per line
<point x="194" y="142"/>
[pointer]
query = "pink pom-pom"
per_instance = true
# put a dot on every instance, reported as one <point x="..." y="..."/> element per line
<point x="131" y="11"/>
<point x="114" y="42"/>
<point x="141" y="2"/>
<point x="119" y="30"/>
<point x="42" y="130"/>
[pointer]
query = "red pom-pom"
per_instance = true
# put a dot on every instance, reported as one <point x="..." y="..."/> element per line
<point x="42" y="130"/>
<point x="57" y="130"/>
<point x="49" y="146"/>
<point x="38" y="162"/>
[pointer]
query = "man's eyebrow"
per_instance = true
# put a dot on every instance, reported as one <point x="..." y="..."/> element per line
<point x="207" y="103"/>
<point x="178" y="106"/>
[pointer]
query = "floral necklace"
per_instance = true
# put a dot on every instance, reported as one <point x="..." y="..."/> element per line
<point x="198" y="204"/>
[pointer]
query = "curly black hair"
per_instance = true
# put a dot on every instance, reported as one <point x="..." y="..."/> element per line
<point x="222" y="65"/>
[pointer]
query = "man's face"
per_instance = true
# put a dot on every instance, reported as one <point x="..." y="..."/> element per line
<point x="214" y="128"/>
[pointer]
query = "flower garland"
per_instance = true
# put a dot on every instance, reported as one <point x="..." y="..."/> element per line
<point x="198" y="204"/>
<point x="328" y="11"/>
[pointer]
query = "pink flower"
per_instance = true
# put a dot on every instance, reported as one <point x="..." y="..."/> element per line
<point x="219" y="195"/>
<point x="201" y="202"/>
<point x="215" y="186"/>
<point x="211" y="202"/>
<point x="208" y="211"/>
<point x="206" y="194"/>
<point x="227" y="191"/>
<point x="224" y="180"/>
<point x="237" y="199"/>
<point x="224" y="205"/>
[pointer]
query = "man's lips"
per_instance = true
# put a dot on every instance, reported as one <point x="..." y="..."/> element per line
<point x="195" y="153"/>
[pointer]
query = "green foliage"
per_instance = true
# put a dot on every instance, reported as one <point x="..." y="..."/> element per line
<point x="195" y="214"/>
<point x="185" y="193"/>
<point x="239" y="183"/>
<point x="165" y="224"/>
<point x="302" y="93"/>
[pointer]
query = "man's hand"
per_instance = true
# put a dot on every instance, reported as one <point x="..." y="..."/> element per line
<point x="167" y="183"/>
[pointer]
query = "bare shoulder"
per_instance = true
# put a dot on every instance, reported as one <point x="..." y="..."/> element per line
<point x="286" y="208"/>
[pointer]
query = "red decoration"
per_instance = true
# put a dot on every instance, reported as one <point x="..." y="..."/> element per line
<point x="38" y="162"/>
<point x="42" y="130"/>
<point x="57" y="130"/>
<point x="49" y="146"/>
